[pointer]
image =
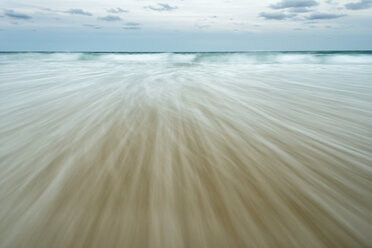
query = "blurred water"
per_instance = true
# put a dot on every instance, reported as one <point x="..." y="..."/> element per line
<point x="186" y="150"/>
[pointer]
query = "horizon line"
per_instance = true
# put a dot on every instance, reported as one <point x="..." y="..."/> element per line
<point x="245" y="51"/>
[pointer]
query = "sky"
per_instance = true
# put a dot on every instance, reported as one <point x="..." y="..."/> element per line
<point x="185" y="25"/>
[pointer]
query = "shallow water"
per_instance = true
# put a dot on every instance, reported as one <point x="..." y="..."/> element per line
<point x="186" y="150"/>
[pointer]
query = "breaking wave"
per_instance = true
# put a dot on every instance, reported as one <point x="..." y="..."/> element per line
<point x="202" y="58"/>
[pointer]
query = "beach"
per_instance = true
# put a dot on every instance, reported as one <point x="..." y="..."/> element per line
<point x="261" y="149"/>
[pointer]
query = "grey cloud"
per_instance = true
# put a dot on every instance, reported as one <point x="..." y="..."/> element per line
<point x="363" y="4"/>
<point x="78" y="12"/>
<point x="284" y="4"/>
<point x="200" y="26"/>
<point x="92" y="26"/>
<point x="117" y="10"/>
<point x="16" y="15"/>
<point x="110" y="18"/>
<point x="162" y="7"/>
<point x="323" y="16"/>
<point x="52" y="10"/>
<point x="132" y="24"/>
<point x="131" y="28"/>
<point x="276" y="16"/>
<point x="310" y="22"/>
<point x="299" y="10"/>
<point x="331" y="2"/>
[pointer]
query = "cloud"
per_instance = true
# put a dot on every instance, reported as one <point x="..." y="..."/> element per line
<point x="162" y="7"/>
<point x="331" y="2"/>
<point x="323" y="16"/>
<point x="92" y="26"/>
<point x="46" y="9"/>
<point x="132" y="28"/>
<point x="284" y="4"/>
<point x="78" y="12"/>
<point x="110" y="18"/>
<point x="202" y="26"/>
<point x="117" y="10"/>
<point x="132" y="24"/>
<point x="363" y="4"/>
<point x="276" y="16"/>
<point x="299" y="10"/>
<point x="16" y="15"/>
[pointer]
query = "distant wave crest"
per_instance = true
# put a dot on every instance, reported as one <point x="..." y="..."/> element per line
<point x="201" y="58"/>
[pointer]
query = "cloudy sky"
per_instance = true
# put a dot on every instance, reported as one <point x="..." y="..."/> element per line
<point x="185" y="25"/>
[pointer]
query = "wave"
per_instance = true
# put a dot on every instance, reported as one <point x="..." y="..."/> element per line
<point x="200" y="58"/>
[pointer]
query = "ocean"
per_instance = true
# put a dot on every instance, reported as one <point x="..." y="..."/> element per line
<point x="253" y="149"/>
